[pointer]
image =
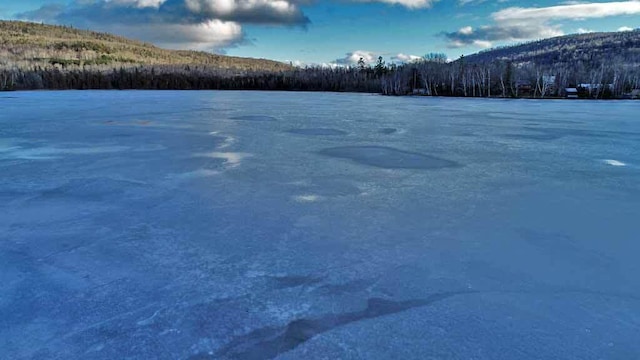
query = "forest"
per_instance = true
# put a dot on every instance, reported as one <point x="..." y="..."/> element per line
<point x="432" y="76"/>
<point x="44" y="57"/>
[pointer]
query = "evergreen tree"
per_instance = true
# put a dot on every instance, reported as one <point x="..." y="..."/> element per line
<point x="380" y="68"/>
<point x="361" y="64"/>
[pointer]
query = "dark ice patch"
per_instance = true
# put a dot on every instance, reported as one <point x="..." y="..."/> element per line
<point x="388" y="158"/>
<point x="254" y="118"/>
<point x="283" y="282"/>
<point x="541" y="137"/>
<point x="388" y="131"/>
<point x="269" y="342"/>
<point x="317" y="132"/>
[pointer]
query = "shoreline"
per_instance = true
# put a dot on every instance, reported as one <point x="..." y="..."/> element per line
<point x="324" y="91"/>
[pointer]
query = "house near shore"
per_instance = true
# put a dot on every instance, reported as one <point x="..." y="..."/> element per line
<point x="571" y="93"/>
<point x="524" y="88"/>
<point x="594" y="88"/>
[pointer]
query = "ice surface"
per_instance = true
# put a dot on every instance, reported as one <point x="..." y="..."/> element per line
<point x="389" y="158"/>
<point x="165" y="225"/>
<point x="388" y="131"/>
<point x="319" y="131"/>
<point x="254" y="118"/>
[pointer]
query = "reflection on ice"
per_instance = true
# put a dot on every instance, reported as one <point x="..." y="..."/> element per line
<point x="227" y="142"/>
<point x="389" y="158"/>
<point x="231" y="158"/>
<point x="614" y="162"/>
<point x="307" y="198"/>
<point x="51" y="153"/>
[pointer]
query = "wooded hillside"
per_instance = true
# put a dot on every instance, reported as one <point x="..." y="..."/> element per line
<point x="619" y="47"/>
<point x="25" y="45"/>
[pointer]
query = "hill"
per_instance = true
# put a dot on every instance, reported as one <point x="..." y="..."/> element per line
<point x="25" y="45"/>
<point x="618" y="47"/>
<point x="599" y="65"/>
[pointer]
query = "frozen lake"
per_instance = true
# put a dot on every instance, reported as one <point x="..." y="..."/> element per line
<point x="249" y="225"/>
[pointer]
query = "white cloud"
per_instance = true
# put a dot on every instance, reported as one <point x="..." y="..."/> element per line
<point x="297" y="63"/>
<point x="584" y="31"/>
<point x="571" y="11"/>
<point x="210" y="35"/>
<point x="519" y="24"/>
<point x="467" y="30"/>
<point x="371" y="58"/>
<point x="404" y="58"/>
<point x="254" y="11"/>
<point x="485" y="36"/>
<point x="180" y="24"/>
<point x="139" y="3"/>
<point x="411" y="4"/>
<point x="304" y="64"/>
<point x="352" y="58"/>
<point x="482" y="44"/>
<point x="625" y="28"/>
<point x="470" y="2"/>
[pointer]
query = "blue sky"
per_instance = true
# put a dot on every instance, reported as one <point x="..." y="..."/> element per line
<point x="332" y="32"/>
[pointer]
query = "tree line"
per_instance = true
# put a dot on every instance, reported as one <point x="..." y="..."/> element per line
<point x="433" y="75"/>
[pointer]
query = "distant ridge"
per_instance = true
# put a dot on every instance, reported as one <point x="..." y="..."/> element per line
<point x="618" y="47"/>
<point x="591" y="66"/>
<point x="26" y="44"/>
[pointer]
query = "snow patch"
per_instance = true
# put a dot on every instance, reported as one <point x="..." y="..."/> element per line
<point x="307" y="198"/>
<point x="614" y="162"/>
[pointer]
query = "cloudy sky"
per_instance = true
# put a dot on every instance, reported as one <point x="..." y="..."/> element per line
<point x="335" y="31"/>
